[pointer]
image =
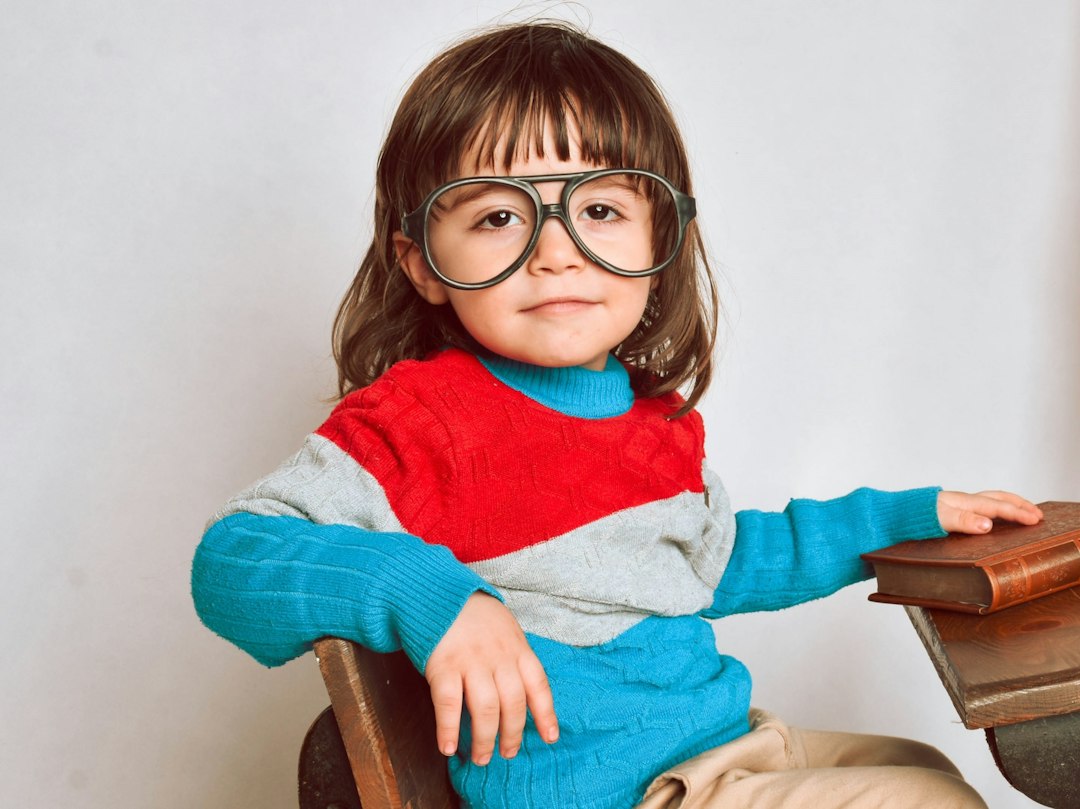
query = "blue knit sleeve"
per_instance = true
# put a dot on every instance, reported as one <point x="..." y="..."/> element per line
<point x="272" y="585"/>
<point x="812" y="548"/>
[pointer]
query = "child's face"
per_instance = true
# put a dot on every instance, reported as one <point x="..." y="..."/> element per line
<point x="559" y="309"/>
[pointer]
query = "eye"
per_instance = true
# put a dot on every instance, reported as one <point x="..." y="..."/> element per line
<point x="598" y="212"/>
<point x="499" y="219"/>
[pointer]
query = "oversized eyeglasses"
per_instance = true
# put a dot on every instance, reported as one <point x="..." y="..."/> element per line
<point x="475" y="232"/>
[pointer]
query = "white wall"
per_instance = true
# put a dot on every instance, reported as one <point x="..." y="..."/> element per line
<point x="889" y="187"/>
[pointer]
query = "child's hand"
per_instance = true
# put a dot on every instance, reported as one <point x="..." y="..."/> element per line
<point x="974" y="513"/>
<point x="485" y="657"/>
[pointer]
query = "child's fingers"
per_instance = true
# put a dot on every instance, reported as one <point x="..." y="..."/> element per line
<point x="959" y="521"/>
<point x="1009" y="506"/>
<point x="482" y="700"/>
<point x="1000" y="505"/>
<point x="974" y="513"/>
<point x="511" y="710"/>
<point x="446" y="697"/>
<point x="538" y="696"/>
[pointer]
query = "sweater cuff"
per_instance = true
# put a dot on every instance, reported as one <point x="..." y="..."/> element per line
<point x="430" y="589"/>
<point x="910" y="514"/>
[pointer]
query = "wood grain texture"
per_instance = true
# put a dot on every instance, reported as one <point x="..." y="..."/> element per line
<point x="383" y="709"/>
<point x="1015" y="665"/>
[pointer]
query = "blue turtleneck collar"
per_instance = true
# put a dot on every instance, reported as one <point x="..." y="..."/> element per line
<point x="573" y="391"/>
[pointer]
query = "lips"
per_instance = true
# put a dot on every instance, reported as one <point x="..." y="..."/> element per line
<point x="560" y="304"/>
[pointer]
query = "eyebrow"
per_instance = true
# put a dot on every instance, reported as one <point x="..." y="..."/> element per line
<point x="619" y="181"/>
<point x="468" y="193"/>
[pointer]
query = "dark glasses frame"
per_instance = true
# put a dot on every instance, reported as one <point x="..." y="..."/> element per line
<point x="414" y="225"/>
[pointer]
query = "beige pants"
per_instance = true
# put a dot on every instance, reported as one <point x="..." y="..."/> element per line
<point x="779" y="766"/>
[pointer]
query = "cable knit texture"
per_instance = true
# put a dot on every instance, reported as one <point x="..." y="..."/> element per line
<point x="592" y="514"/>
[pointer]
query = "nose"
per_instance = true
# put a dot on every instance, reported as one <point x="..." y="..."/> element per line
<point x="555" y="249"/>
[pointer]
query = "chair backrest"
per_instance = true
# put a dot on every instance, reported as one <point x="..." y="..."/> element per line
<point x="383" y="709"/>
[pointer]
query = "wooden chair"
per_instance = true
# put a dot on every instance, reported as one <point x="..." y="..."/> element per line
<point x="374" y="747"/>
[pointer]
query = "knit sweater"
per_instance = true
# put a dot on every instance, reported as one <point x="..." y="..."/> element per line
<point x="592" y="514"/>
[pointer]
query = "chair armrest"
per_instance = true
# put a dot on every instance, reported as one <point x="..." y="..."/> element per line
<point x="383" y="709"/>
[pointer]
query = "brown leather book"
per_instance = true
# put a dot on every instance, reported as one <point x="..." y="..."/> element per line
<point x="985" y="573"/>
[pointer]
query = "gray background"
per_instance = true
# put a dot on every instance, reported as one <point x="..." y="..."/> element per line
<point x="890" y="193"/>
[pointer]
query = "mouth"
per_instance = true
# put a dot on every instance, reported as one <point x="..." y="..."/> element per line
<point x="560" y="305"/>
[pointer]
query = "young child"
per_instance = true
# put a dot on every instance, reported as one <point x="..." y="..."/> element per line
<point x="513" y="491"/>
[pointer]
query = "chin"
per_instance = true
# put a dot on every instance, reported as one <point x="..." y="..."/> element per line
<point x="550" y="362"/>
<point x="572" y="361"/>
<point x="546" y="356"/>
<point x="549" y="359"/>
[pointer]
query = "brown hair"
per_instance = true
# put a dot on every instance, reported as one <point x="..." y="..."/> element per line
<point x="500" y="89"/>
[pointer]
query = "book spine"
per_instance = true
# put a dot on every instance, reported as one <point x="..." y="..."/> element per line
<point x="1033" y="575"/>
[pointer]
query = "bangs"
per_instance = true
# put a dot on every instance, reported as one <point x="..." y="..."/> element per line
<point x="520" y="126"/>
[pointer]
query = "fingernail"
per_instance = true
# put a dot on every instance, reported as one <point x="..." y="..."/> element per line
<point x="483" y="760"/>
<point x="447" y="749"/>
<point x="985" y="524"/>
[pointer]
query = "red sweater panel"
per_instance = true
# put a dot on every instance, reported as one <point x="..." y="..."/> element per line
<point x="470" y="463"/>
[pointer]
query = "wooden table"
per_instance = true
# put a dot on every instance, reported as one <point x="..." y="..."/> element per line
<point x="1016" y="675"/>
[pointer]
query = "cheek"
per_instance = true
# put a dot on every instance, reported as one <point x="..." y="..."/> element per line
<point x="478" y="310"/>
<point x="634" y="253"/>
<point x="645" y="286"/>
<point x="634" y="297"/>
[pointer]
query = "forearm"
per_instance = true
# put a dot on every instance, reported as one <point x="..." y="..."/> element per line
<point x="274" y="584"/>
<point x="812" y="548"/>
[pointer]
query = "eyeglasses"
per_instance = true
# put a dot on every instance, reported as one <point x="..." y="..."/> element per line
<point x="475" y="232"/>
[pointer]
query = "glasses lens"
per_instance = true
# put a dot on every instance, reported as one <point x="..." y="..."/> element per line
<point x="627" y="219"/>
<point x="477" y="230"/>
